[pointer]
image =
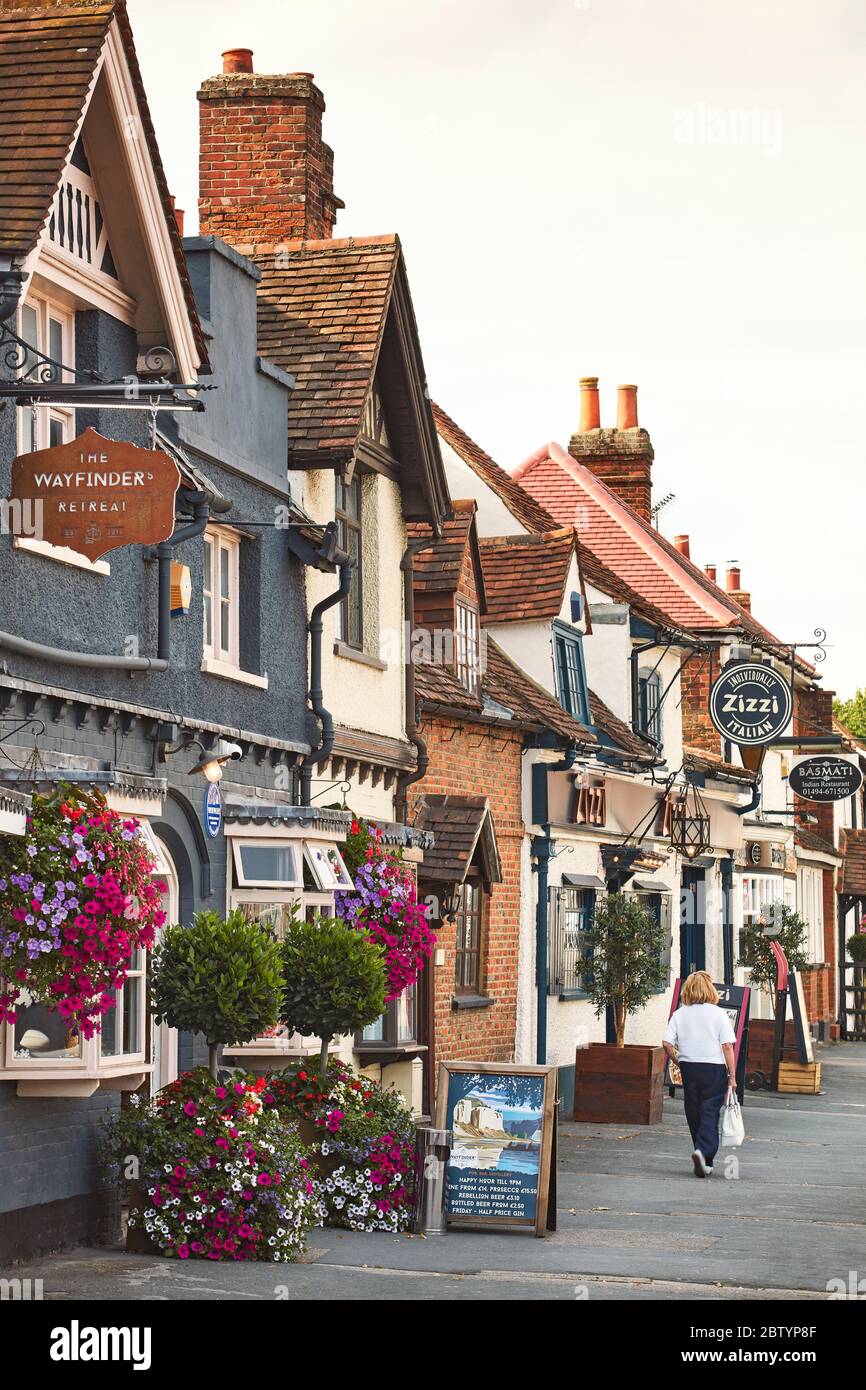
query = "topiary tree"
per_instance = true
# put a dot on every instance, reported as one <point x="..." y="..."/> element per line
<point x="334" y="980"/>
<point x="221" y="977"/>
<point x="626" y="968"/>
<point x="777" y="922"/>
<point x="857" y="947"/>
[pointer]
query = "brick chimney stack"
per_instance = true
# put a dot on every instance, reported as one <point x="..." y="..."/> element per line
<point x="734" y="588"/>
<point x="623" y="457"/>
<point x="265" y="175"/>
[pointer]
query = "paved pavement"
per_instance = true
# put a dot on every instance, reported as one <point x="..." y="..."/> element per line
<point x="634" y="1224"/>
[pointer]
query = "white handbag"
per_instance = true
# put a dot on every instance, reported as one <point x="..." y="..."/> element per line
<point x="732" y="1131"/>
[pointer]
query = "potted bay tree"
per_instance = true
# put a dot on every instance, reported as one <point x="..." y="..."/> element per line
<point x="621" y="1083"/>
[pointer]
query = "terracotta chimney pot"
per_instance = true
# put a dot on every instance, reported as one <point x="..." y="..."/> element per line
<point x="732" y="578"/>
<point x="682" y="545"/>
<point x="626" y="408"/>
<point x="590" y="415"/>
<point x="238" y="60"/>
<point x="710" y="572"/>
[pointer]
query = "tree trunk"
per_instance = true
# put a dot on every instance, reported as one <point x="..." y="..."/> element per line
<point x="619" y="1023"/>
<point x="213" y="1052"/>
<point x="323" y="1060"/>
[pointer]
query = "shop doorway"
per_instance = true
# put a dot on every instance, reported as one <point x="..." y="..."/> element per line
<point x="693" y="899"/>
<point x="163" y="1039"/>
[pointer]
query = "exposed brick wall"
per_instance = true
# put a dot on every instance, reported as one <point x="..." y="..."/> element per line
<point x="470" y="759"/>
<point x="698" y="728"/>
<point x="265" y="174"/>
<point x="623" y="459"/>
<point x="818" y="992"/>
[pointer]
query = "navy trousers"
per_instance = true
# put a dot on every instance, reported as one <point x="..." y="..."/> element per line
<point x="705" y="1085"/>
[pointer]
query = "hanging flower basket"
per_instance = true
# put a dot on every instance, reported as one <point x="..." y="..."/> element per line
<point x="384" y="903"/>
<point x="77" y="900"/>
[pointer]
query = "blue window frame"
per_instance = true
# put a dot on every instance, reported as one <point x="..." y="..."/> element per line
<point x="571" y="913"/>
<point x="649" y="686"/>
<point x="570" y="672"/>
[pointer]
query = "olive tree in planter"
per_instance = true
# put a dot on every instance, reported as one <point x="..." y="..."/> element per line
<point x="221" y="977"/>
<point x="334" y="980"/>
<point x="621" y="1084"/>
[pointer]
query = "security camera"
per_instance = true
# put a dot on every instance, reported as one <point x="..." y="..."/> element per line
<point x="227" y="751"/>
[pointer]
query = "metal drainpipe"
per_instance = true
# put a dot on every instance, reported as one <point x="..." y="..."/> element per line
<point x="727" y="872"/>
<point x="753" y="804"/>
<point x="201" y="516"/>
<point x="542" y="853"/>
<point x="315" y="628"/>
<point x="405" y="780"/>
<point x="91" y="660"/>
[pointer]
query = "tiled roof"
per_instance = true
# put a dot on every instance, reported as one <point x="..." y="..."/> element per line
<point x="508" y="685"/>
<point x="619" y="733"/>
<point x="697" y="760"/>
<point x="598" y="574"/>
<point x="620" y="538"/>
<point x="436" y="686"/>
<point x="809" y="840"/>
<point x="522" y="505"/>
<point x="437" y="568"/>
<point x="47" y="61"/>
<point x="460" y="825"/>
<point x="627" y="544"/>
<point x="322" y="312"/>
<point x="854" y="865"/>
<point x="525" y="576"/>
<point x="48" y="55"/>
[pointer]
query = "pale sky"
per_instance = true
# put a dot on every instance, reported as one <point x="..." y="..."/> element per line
<point x="667" y="193"/>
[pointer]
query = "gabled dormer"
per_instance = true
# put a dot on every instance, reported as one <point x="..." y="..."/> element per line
<point x="86" y="219"/>
<point x="450" y="598"/>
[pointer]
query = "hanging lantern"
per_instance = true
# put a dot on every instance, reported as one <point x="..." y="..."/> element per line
<point x="690" y="826"/>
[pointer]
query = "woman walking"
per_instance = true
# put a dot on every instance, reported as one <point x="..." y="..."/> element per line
<point x="704" y="1038"/>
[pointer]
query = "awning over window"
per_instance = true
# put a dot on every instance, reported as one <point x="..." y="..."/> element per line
<point x="648" y="885"/>
<point x="583" y="881"/>
<point x="463" y="836"/>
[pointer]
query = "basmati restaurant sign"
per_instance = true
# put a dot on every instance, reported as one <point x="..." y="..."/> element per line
<point x="94" y="494"/>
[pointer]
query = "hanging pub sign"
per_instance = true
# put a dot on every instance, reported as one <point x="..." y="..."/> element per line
<point x="502" y="1117"/>
<point x="825" y="778"/>
<point x="94" y="494"/>
<point x="750" y="704"/>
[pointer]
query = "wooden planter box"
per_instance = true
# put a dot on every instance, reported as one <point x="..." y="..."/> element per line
<point x="798" y="1078"/>
<point x="619" y="1085"/>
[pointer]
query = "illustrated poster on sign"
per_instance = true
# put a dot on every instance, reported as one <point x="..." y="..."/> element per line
<point x="497" y="1124"/>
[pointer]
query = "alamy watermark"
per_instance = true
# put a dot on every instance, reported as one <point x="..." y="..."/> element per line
<point x="758" y="128"/>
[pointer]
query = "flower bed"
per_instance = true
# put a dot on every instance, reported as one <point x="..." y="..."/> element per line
<point x="384" y="903"/>
<point x="77" y="900"/>
<point x="365" y="1137"/>
<point x="226" y="1177"/>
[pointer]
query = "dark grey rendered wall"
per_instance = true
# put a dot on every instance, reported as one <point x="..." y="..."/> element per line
<point x="49" y="1187"/>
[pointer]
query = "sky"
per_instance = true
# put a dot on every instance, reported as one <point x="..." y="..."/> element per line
<point x="667" y="193"/>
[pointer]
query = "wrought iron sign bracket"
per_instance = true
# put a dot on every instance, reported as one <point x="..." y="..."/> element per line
<point x="39" y="379"/>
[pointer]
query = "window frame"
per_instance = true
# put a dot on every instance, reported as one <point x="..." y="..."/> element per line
<point x="220" y="540"/>
<point x="350" y="614"/>
<point x="46" y="310"/>
<point x="476" y="886"/>
<point x="569" y="662"/>
<point x="649" y="715"/>
<point x="242" y="881"/>
<point x="391" y="1040"/>
<point x="467" y="644"/>
<point x="562" y="901"/>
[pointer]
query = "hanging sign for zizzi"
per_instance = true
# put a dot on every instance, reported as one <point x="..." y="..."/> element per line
<point x="94" y="494"/>
<point x="750" y="703"/>
<point x="825" y="778"/>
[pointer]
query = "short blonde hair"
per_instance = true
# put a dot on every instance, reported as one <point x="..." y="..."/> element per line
<point x="699" y="989"/>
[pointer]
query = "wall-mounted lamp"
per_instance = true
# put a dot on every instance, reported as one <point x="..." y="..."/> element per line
<point x="212" y="759"/>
